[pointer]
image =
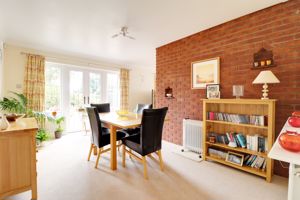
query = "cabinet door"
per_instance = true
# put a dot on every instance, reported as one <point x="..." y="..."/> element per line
<point x="15" y="162"/>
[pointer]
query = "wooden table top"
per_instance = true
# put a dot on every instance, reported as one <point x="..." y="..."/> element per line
<point x="131" y="120"/>
<point x="21" y="125"/>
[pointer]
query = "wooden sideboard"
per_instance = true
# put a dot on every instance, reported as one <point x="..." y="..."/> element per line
<point x="18" y="158"/>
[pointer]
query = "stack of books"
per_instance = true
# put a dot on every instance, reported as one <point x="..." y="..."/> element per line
<point x="217" y="153"/>
<point x="254" y="161"/>
<point x="259" y="120"/>
<point x="257" y="143"/>
<point x="254" y="143"/>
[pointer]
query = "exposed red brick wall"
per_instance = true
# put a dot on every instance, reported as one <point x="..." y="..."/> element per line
<point x="276" y="28"/>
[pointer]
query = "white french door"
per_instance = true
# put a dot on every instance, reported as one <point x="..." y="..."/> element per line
<point x="83" y="87"/>
<point x="79" y="88"/>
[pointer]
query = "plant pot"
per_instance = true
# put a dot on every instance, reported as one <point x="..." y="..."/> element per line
<point x="58" y="134"/>
<point x="38" y="143"/>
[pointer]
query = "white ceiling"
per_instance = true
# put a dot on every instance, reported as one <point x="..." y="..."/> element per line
<point x="85" y="27"/>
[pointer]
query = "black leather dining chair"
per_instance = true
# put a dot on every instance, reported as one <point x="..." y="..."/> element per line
<point x="101" y="107"/>
<point x="145" y="139"/>
<point x="140" y="107"/>
<point x="100" y="135"/>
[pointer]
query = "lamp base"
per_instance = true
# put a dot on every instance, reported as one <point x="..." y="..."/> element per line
<point x="265" y="92"/>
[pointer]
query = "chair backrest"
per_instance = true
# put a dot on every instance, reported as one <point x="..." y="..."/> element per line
<point x="151" y="129"/>
<point x="102" y="107"/>
<point x="140" y="107"/>
<point x="95" y="125"/>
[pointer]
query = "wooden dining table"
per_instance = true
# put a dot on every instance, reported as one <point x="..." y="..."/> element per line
<point x="114" y="122"/>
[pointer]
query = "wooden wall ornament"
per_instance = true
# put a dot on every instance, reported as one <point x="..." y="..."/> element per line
<point x="263" y="59"/>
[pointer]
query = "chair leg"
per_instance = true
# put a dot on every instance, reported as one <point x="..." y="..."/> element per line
<point x="90" y="152"/>
<point x="123" y="155"/>
<point x="119" y="146"/>
<point x="130" y="154"/>
<point x="160" y="160"/>
<point x="98" y="157"/>
<point x="145" y="167"/>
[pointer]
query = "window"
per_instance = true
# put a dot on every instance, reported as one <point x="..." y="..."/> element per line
<point x="113" y="91"/>
<point x="52" y="87"/>
<point x="95" y="88"/>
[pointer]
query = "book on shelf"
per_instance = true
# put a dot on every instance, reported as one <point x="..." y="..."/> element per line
<point x="256" y="162"/>
<point x="251" y="142"/>
<point x="217" y="153"/>
<point x="259" y="120"/>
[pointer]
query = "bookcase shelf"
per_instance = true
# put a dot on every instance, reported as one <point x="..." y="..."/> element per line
<point x="236" y="124"/>
<point x="243" y="107"/>
<point x="237" y="149"/>
<point x="244" y="168"/>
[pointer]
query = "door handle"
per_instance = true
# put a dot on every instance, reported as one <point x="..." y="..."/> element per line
<point x="88" y="99"/>
<point x="83" y="99"/>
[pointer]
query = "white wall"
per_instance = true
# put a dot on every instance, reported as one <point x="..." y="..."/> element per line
<point x="140" y="86"/>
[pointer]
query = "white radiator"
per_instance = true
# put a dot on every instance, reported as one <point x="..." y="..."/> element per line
<point x="192" y="135"/>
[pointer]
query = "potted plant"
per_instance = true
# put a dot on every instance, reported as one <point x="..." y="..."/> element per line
<point x="41" y="136"/>
<point x="59" y="129"/>
<point x="17" y="106"/>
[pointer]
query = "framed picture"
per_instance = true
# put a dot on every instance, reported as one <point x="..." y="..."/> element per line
<point x="238" y="91"/>
<point x="235" y="158"/>
<point x="213" y="91"/>
<point x="205" y="72"/>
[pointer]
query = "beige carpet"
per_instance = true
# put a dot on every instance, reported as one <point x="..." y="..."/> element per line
<point x="64" y="174"/>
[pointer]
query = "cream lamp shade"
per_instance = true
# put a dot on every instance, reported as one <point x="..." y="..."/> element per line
<point x="265" y="77"/>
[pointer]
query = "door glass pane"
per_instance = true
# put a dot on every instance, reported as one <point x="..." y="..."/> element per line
<point x="76" y="89"/>
<point x="95" y="88"/>
<point x="52" y="87"/>
<point x="76" y="101"/>
<point x="113" y="91"/>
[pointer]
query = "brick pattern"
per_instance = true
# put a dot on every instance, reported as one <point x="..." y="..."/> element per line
<point x="276" y="28"/>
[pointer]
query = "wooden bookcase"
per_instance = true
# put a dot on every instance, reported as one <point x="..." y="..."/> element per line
<point x="240" y="106"/>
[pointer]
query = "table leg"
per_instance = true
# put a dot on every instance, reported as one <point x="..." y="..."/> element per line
<point x="113" y="148"/>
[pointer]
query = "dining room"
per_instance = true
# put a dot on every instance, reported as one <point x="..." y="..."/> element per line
<point x="164" y="100"/>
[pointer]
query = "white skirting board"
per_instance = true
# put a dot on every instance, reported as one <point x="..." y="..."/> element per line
<point x="177" y="149"/>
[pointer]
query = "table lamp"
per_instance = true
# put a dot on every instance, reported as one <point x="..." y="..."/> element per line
<point x="265" y="77"/>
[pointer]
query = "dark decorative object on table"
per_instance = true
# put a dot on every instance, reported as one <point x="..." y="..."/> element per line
<point x="263" y="59"/>
<point x="13" y="117"/>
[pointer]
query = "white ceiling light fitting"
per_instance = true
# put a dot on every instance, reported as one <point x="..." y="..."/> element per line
<point x="124" y="32"/>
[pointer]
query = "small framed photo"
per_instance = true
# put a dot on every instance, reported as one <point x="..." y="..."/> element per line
<point x="235" y="158"/>
<point x="238" y="91"/>
<point x="213" y="91"/>
<point x="205" y="72"/>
